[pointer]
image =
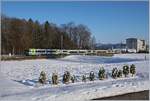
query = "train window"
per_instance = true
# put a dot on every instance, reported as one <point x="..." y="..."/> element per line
<point x="40" y="50"/>
<point x="81" y="52"/>
<point x="52" y="51"/>
<point x="73" y="52"/>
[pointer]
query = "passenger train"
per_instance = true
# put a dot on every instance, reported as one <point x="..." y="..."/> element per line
<point x="40" y="52"/>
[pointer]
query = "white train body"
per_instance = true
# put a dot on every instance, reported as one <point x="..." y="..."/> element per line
<point x="37" y="52"/>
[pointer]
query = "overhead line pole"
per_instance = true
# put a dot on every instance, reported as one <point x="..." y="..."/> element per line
<point x="61" y="42"/>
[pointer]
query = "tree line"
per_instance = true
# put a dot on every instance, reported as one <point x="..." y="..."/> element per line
<point x="18" y="35"/>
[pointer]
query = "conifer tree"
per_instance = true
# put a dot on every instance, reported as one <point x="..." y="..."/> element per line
<point x="91" y="76"/>
<point x="42" y="78"/>
<point x="101" y="73"/>
<point x="119" y="73"/>
<point x="83" y="78"/>
<point x="132" y="69"/>
<point x="126" y="70"/>
<point x="54" y="79"/>
<point x="114" y="72"/>
<point x="66" y="77"/>
<point x="73" y="78"/>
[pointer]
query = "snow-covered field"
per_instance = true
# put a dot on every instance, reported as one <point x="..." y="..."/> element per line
<point x="18" y="79"/>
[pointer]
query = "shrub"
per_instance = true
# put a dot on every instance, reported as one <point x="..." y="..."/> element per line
<point x="132" y="69"/>
<point x="73" y="78"/>
<point x="91" y="76"/>
<point x="101" y="73"/>
<point x="126" y="70"/>
<point x="114" y="72"/>
<point x="66" y="77"/>
<point x="54" y="78"/>
<point x="119" y="73"/>
<point x="83" y="78"/>
<point x="42" y="78"/>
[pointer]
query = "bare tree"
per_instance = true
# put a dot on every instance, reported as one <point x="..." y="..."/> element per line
<point x="19" y="35"/>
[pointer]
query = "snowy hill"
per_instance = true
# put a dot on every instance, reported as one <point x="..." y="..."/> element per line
<point x="19" y="78"/>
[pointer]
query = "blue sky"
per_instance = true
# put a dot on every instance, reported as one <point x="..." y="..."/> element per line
<point x="109" y="22"/>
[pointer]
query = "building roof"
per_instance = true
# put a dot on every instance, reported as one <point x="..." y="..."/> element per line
<point x="131" y="39"/>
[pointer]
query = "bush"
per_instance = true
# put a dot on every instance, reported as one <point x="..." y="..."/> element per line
<point x="83" y="78"/>
<point x="101" y="73"/>
<point x="114" y="72"/>
<point x="73" y="78"/>
<point x="119" y="73"/>
<point x="91" y="76"/>
<point x="54" y="78"/>
<point x="132" y="69"/>
<point x="126" y="70"/>
<point x="66" y="77"/>
<point x="42" y="78"/>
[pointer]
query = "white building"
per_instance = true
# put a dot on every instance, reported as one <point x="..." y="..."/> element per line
<point x="135" y="44"/>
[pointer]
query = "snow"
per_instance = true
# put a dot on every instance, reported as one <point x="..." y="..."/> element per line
<point x="141" y="56"/>
<point x="19" y="79"/>
<point x="101" y="59"/>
